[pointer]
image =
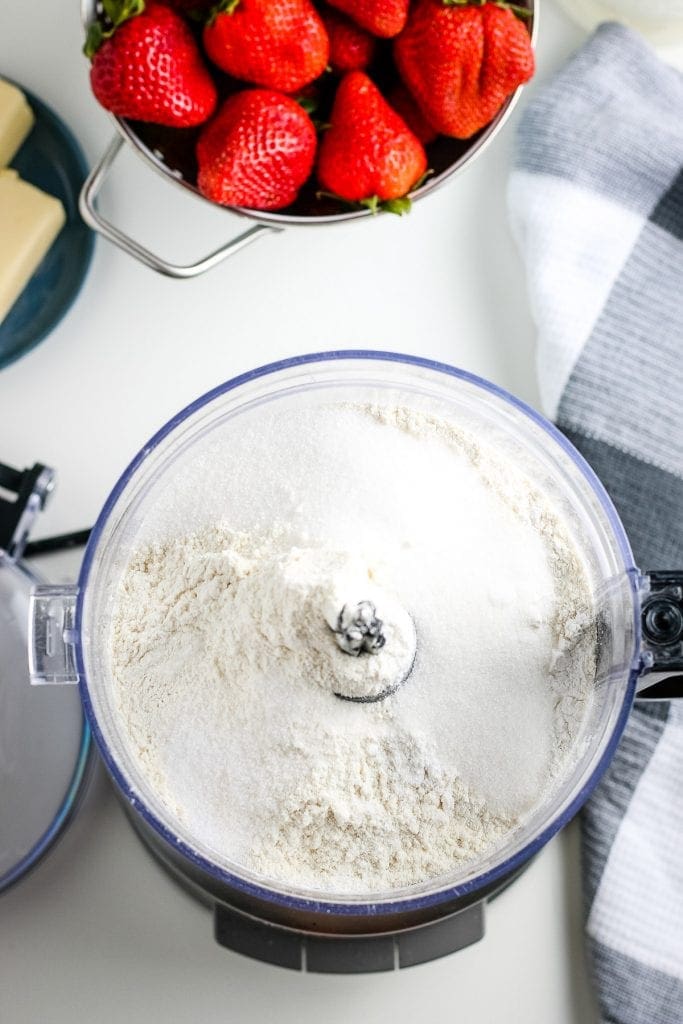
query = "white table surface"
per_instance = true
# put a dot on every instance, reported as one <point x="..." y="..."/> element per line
<point x="98" y="932"/>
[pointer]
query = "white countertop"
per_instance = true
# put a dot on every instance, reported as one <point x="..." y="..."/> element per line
<point x="98" y="932"/>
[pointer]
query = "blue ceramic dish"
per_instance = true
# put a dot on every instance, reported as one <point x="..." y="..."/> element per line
<point x="52" y="160"/>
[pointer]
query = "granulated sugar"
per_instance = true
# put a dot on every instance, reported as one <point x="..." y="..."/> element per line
<point x="226" y="663"/>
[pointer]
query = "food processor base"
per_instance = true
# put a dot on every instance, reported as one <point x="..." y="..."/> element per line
<point x="305" y="948"/>
<point x="344" y="954"/>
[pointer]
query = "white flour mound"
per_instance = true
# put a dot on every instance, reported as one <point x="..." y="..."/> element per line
<point x="226" y="667"/>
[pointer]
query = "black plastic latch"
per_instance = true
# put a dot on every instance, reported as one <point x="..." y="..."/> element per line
<point x="662" y="625"/>
<point x="23" y="494"/>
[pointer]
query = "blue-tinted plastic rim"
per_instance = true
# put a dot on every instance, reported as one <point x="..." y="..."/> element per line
<point x="325" y="906"/>
<point x="63" y="817"/>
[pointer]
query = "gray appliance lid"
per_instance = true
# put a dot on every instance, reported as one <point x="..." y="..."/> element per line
<point x="45" y="744"/>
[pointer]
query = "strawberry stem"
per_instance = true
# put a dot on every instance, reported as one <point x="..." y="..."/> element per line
<point x="372" y="204"/>
<point x="522" y="12"/>
<point x="420" y="181"/>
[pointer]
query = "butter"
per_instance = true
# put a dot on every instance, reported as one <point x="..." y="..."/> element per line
<point x="29" y="223"/>
<point x="16" y="120"/>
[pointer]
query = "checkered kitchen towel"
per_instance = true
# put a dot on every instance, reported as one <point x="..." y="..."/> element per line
<point x="596" y="203"/>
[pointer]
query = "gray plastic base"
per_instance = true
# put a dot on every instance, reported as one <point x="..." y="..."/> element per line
<point x="343" y="954"/>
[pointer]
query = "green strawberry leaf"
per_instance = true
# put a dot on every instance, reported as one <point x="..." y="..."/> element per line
<point x="307" y="103"/>
<point x="116" y="12"/>
<point x="373" y="203"/>
<point x="93" y="39"/>
<point x="397" y="206"/>
<point x="521" y="12"/>
<point x="222" y="7"/>
<point x="111" y="10"/>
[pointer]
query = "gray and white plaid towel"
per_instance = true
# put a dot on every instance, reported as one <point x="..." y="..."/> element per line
<point x="596" y="204"/>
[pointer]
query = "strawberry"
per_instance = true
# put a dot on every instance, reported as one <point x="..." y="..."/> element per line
<point x="147" y="66"/>
<point x="461" y="62"/>
<point x="403" y="103"/>
<point x="368" y="154"/>
<point x="351" y="48"/>
<point x="280" y="45"/>
<point x="384" y="18"/>
<point x="258" y="151"/>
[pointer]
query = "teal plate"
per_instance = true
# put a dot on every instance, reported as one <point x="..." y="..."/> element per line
<point x="51" y="159"/>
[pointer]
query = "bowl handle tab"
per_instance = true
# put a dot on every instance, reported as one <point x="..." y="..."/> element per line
<point x="94" y="219"/>
<point x="52" y="635"/>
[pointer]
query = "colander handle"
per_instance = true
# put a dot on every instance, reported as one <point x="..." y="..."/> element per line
<point x="97" y="222"/>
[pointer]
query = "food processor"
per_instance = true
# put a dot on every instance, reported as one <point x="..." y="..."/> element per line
<point x="177" y="481"/>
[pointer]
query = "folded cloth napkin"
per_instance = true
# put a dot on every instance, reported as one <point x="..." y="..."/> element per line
<point x="596" y="205"/>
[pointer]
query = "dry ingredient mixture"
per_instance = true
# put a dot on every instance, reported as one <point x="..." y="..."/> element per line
<point x="227" y="666"/>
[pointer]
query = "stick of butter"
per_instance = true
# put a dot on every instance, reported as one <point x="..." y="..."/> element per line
<point x="16" y="120"/>
<point x="29" y="223"/>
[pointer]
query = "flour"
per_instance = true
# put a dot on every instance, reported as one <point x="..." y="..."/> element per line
<point x="226" y="662"/>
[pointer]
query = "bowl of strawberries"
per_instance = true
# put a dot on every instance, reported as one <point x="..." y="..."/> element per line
<point x="302" y="111"/>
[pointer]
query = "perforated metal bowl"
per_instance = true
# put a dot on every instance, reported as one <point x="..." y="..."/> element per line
<point x="170" y="153"/>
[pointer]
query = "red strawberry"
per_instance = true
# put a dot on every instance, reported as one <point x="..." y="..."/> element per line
<point x="351" y="49"/>
<point x="258" y="151"/>
<point x="403" y="103"/>
<point x="147" y="66"/>
<point x="279" y="45"/>
<point x="461" y="63"/>
<point x="368" y="153"/>
<point x="383" y="18"/>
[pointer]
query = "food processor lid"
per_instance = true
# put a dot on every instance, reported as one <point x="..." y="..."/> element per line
<point x="45" y="747"/>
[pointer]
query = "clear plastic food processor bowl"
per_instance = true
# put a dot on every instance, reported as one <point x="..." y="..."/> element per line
<point x="177" y="483"/>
